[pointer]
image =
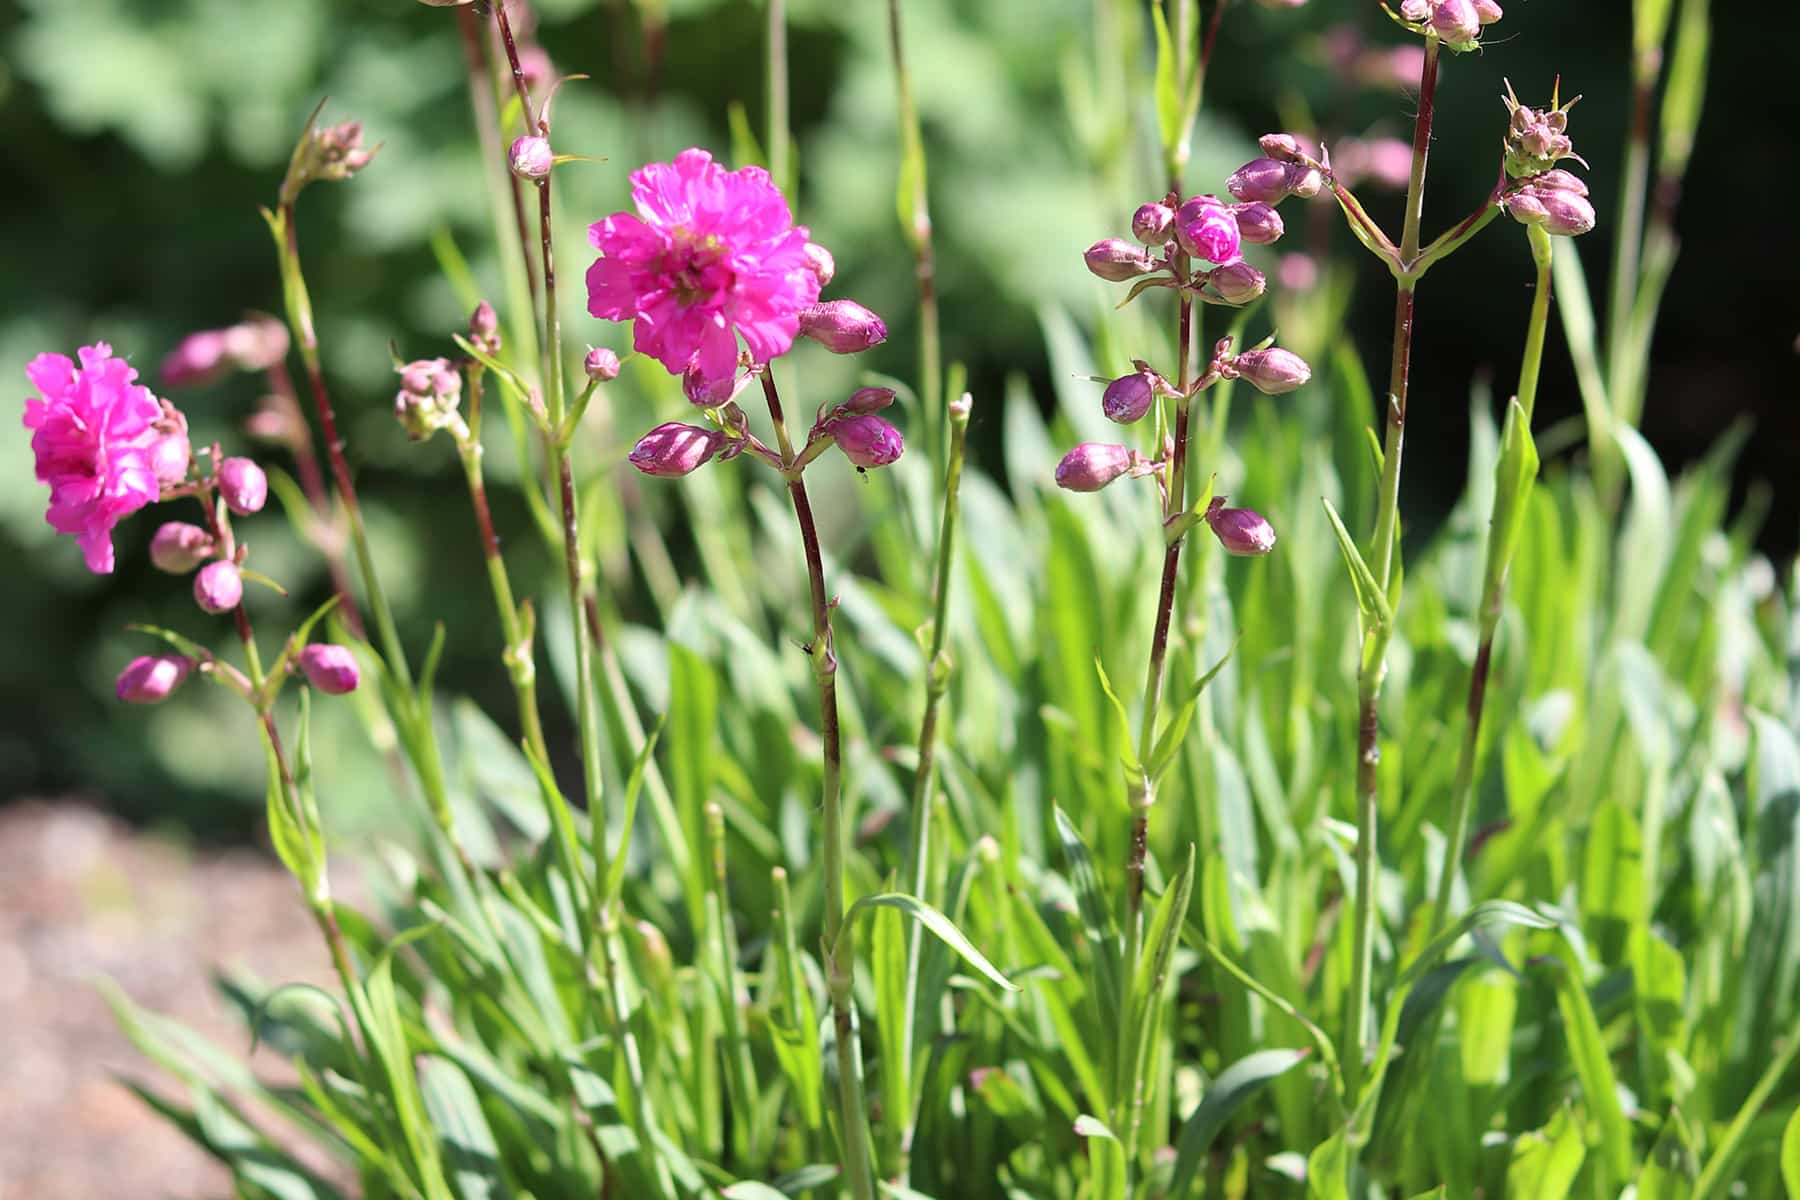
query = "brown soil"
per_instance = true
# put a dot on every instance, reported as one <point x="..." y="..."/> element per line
<point x="82" y="897"/>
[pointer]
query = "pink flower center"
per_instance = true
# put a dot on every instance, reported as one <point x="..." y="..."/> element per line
<point x="697" y="267"/>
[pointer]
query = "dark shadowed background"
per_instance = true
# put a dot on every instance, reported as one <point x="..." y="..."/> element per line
<point x="139" y="136"/>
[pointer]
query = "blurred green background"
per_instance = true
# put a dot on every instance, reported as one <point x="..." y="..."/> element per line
<point x="139" y="136"/>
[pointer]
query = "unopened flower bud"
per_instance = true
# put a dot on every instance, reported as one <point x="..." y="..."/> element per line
<point x="243" y="485"/>
<point x="331" y="152"/>
<point x="151" y="679"/>
<point x="1283" y="147"/>
<point x="330" y="668"/>
<point x="178" y="547"/>
<point x="530" y="157"/>
<point x="703" y="391"/>
<point x="484" y="328"/>
<point x="1562" y="181"/>
<point x="219" y="587"/>
<point x="1536" y="138"/>
<point x="1207" y="230"/>
<point x="256" y="343"/>
<point x="1258" y="223"/>
<point x="1456" y="22"/>
<point x="1117" y="260"/>
<point x="1242" y="531"/>
<point x="1129" y="397"/>
<point x="601" y="365"/>
<point x="1566" y="214"/>
<point x="1150" y="223"/>
<point x="1488" y="12"/>
<point x="1091" y="466"/>
<point x="198" y="358"/>
<point x="1306" y="182"/>
<point x="867" y="440"/>
<point x="820" y="262"/>
<point x="1237" y="283"/>
<point x="430" y="390"/>
<point x="1262" y="179"/>
<point x="868" y="400"/>
<point x="1526" y="206"/>
<point x="1272" y="371"/>
<point x="170" y="453"/>
<point x="673" y="449"/>
<point x="842" y="326"/>
<point x="1415" y="10"/>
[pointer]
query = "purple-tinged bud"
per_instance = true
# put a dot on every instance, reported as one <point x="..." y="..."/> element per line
<point x="219" y="587"/>
<point x="704" y="392"/>
<point x="868" y="400"/>
<point x="1117" y="260"/>
<point x="673" y="449"/>
<point x="244" y="486"/>
<point x="1562" y="181"/>
<point x="484" y="328"/>
<point x="1456" y="22"/>
<point x="867" y="440"/>
<point x="842" y="326"/>
<point x="820" y="262"/>
<point x="1526" y="206"/>
<point x="1488" y="12"/>
<point x="530" y="157"/>
<point x="1258" y="223"/>
<point x="1092" y="465"/>
<point x="1283" y="147"/>
<point x="1536" y="138"/>
<point x="1262" y="179"/>
<point x="430" y="390"/>
<point x="330" y="668"/>
<point x="1415" y="10"/>
<point x="1237" y="283"/>
<point x="170" y="453"/>
<point x="198" y="358"/>
<point x="1566" y="214"/>
<point x="1242" y="531"/>
<point x="151" y="679"/>
<point x="1129" y="397"/>
<point x="178" y="547"/>
<point x="1207" y="230"/>
<point x="1306" y="182"/>
<point x="1273" y="371"/>
<point x="1150" y="223"/>
<point x="601" y="365"/>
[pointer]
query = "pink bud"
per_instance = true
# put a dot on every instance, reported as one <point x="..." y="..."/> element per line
<point x="1273" y="371"/>
<point x="1242" y="531"/>
<point x="1526" y="206"/>
<point x="197" y="359"/>
<point x="530" y="157"/>
<point x="601" y="365"/>
<point x="867" y="440"/>
<point x="219" y="587"/>
<point x="244" y="486"/>
<point x="1488" y="12"/>
<point x="1456" y="21"/>
<point x="1258" y="223"/>
<point x="178" y="547"/>
<point x="673" y="449"/>
<point x="1150" y="223"/>
<point x="1262" y="179"/>
<point x="151" y="679"/>
<point x="1283" y="147"/>
<point x="256" y="343"/>
<point x="1565" y="213"/>
<point x="703" y="392"/>
<point x="1117" y="260"/>
<point x="1207" y="230"/>
<point x="1561" y="181"/>
<point x="1128" y="397"/>
<point x="868" y="400"/>
<point x="1237" y="283"/>
<point x="484" y="328"/>
<point x="1415" y="10"/>
<point x="820" y="262"/>
<point x="842" y="326"/>
<point x="330" y="668"/>
<point x="1091" y="466"/>
<point x="170" y="453"/>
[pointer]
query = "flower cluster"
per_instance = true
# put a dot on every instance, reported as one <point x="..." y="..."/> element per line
<point x="711" y="257"/>
<point x="1536" y="140"/>
<point x="1457" y="23"/>
<point x="1193" y="246"/>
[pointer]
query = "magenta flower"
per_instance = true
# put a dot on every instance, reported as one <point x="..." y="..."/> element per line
<point x="99" y="438"/>
<point x="711" y="255"/>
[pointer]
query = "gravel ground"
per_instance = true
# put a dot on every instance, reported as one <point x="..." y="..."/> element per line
<point x="82" y="897"/>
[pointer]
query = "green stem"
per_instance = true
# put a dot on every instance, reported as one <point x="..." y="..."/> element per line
<point x="1629" y="238"/>
<point x="839" y="945"/>
<point x="780" y="145"/>
<point x="1373" y="664"/>
<point x="1712" y="1176"/>
<point x="740" y="1070"/>
<point x="937" y="682"/>
<point x="1493" y="593"/>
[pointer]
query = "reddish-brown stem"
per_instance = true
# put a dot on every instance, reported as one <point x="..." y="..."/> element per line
<point x="475" y="52"/>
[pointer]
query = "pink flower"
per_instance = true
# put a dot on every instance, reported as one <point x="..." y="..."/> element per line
<point x="101" y="441"/>
<point x="711" y="254"/>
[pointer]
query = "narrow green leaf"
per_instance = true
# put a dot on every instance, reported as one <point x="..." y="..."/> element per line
<point x="1790" y="1156"/>
<point x="1544" y="1162"/>
<point x="1132" y="766"/>
<point x="1168" y="83"/>
<point x="1186" y="701"/>
<point x="1371" y="601"/>
<point x="1096" y="915"/>
<point x="937" y="923"/>
<point x="472" y="1154"/>
<point x="1328" y="1169"/>
<point x="1233" y="1087"/>
<point x="1489" y="912"/>
<point x="1593" y="1066"/>
<point x="1106" y="1157"/>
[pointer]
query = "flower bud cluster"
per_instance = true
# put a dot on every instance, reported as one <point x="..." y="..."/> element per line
<point x="254" y="344"/>
<point x="1457" y="23"/>
<point x="1537" y="138"/>
<point x="1557" y="200"/>
<point x="332" y="153"/>
<point x="430" y="390"/>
